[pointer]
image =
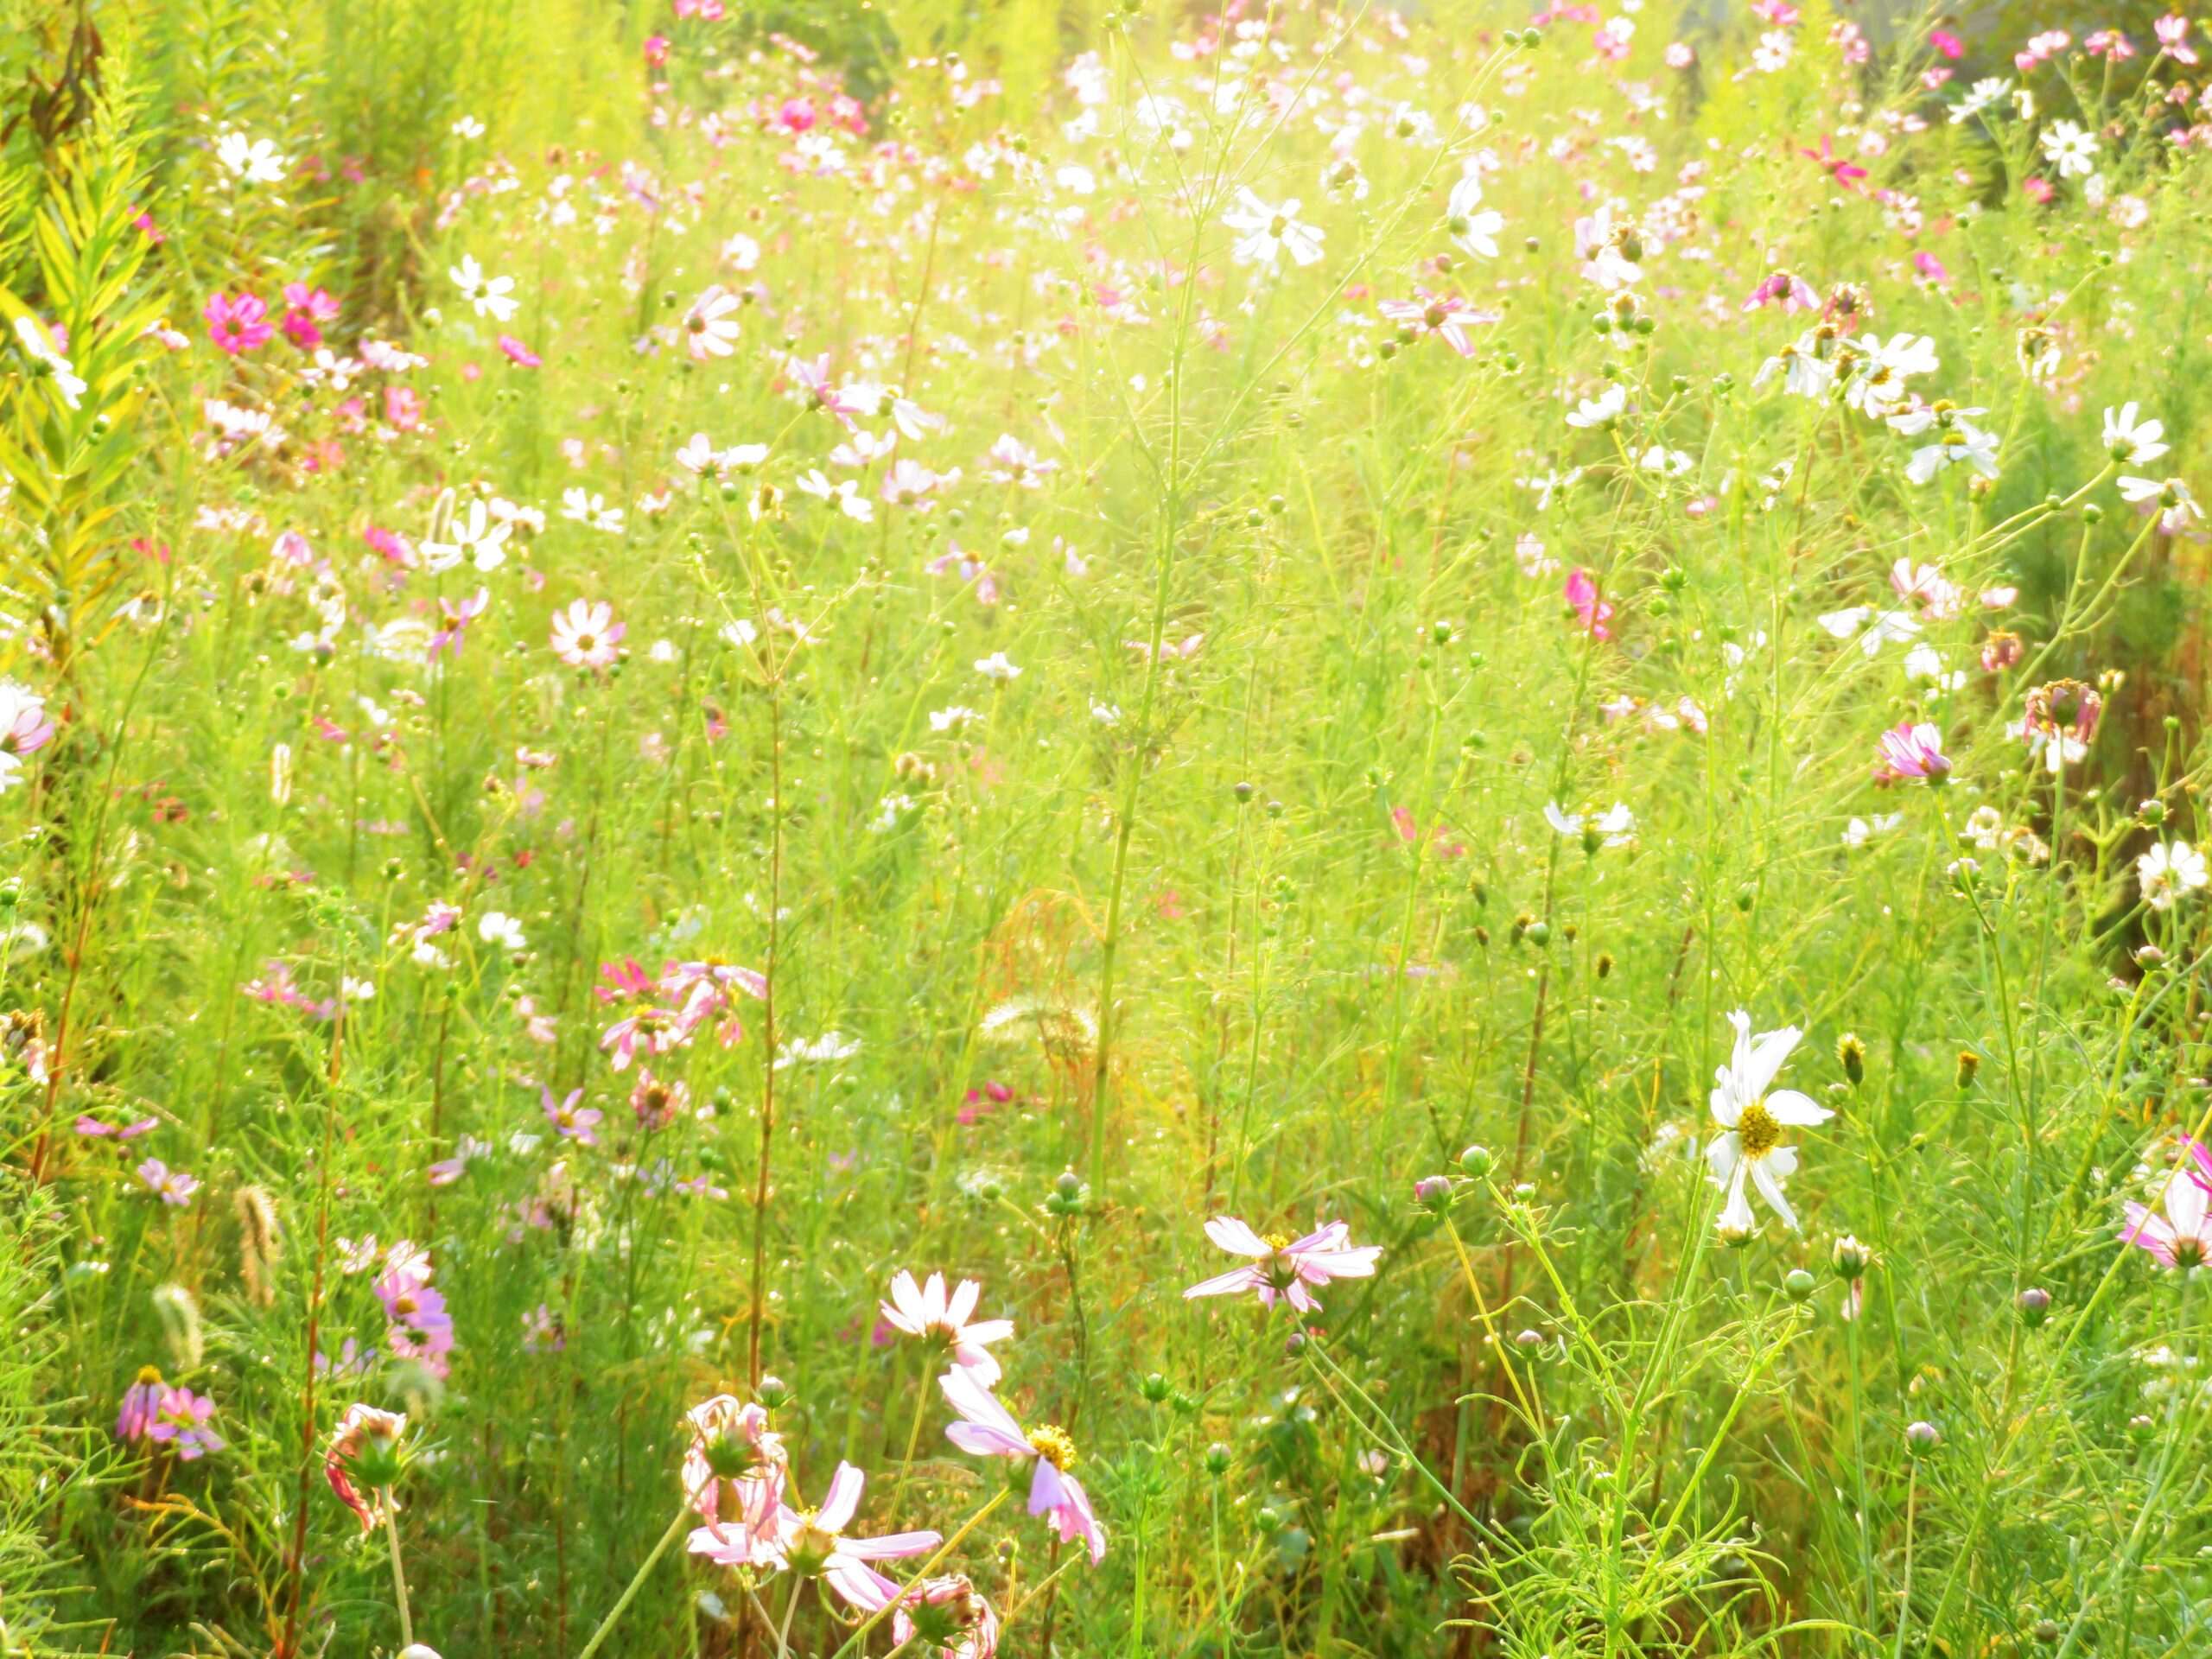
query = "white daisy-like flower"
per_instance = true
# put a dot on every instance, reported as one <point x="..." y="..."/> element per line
<point x="1753" y="1113"/>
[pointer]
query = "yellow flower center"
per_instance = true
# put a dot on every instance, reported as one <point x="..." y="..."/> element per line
<point x="1053" y="1444"/>
<point x="1758" y="1130"/>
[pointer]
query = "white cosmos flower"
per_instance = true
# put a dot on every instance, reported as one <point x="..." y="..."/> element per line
<point x="1615" y="827"/>
<point x="1603" y="409"/>
<point x="2133" y="440"/>
<point x="2072" y="150"/>
<point x="492" y="296"/>
<point x="476" y="535"/>
<point x="1268" y="232"/>
<point x="497" y="927"/>
<point x="1961" y="440"/>
<point x="2169" y="871"/>
<point x="1473" y="227"/>
<point x="1880" y="627"/>
<point x="250" y="161"/>
<point x="1754" y="1113"/>
<point x="39" y="346"/>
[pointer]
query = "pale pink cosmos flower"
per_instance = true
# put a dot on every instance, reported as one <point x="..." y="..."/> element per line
<point x="710" y="328"/>
<point x="1014" y="462"/>
<point x="569" y="1118"/>
<point x="586" y="634"/>
<point x="928" y="1311"/>
<point x="172" y="1186"/>
<point x="1283" y="1267"/>
<point x="2183" y="1237"/>
<point x="1943" y="597"/>
<point x="988" y="1429"/>
<point x="1913" y="750"/>
<point x="1447" y="316"/>
<point x="735" y="1468"/>
<point x="812" y="1544"/>
<point x="2172" y="31"/>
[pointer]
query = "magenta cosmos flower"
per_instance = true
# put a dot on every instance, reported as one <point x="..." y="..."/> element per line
<point x="586" y="634"/>
<point x="927" y="1312"/>
<point x="1284" y="1267"/>
<point x="238" y="325"/>
<point x="1913" y="750"/>
<point x="2183" y="1237"/>
<point x="988" y="1429"/>
<point x="733" y="1470"/>
<point x="1591" y="609"/>
<point x="812" y="1543"/>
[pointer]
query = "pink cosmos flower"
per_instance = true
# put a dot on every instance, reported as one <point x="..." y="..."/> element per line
<point x="927" y="1312"/>
<point x="2183" y="1237"/>
<point x="519" y="353"/>
<point x="569" y="1119"/>
<point x="306" y="309"/>
<point x="1845" y="171"/>
<point x="457" y="620"/>
<point x="181" y="1424"/>
<point x="946" y="1619"/>
<point x="142" y="1405"/>
<point x="1014" y="462"/>
<point x="238" y="325"/>
<point x="654" y="1030"/>
<point x="170" y="1185"/>
<point x="988" y="1429"/>
<point x="1911" y="750"/>
<point x="1786" y="287"/>
<point x="1595" y="613"/>
<point x="1447" y="316"/>
<point x="1950" y="45"/>
<point x="655" y="48"/>
<point x="812" y="1544"/>
<point x="586" y="634"/>
<point x="2172" y="31"/>
<point x="656" y="1102"/>
<point x="1284" y="1267"/>
<point x="814" y="379"/>
<point x="734" y="1469"/>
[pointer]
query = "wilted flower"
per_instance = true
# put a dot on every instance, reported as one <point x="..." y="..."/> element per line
<point x="363" y="1460"/>
<point x="946" y="1619"/>
<point x="734" y="1467"/>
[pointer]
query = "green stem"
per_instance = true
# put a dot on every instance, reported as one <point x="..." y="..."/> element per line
<point x="676" y="1529"/>
<point x="398" y="1577"/>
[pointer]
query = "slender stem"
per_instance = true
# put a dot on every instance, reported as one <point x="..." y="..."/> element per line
<point x="676" y="1529"/>
<point x="398" y="1575"/>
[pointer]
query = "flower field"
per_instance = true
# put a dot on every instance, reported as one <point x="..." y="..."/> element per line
<point x="1128" y="830"/>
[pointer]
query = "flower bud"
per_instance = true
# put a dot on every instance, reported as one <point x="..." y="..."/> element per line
<point x="1434" y="1193"/>
<point x="1851" y="1055"/>
<point x="1799" y="1285"/>
<point x="2034" y="1303"/>
<point x="774" y="1393"/>
<point x="1922" y="1438"/>
<point x="1969" y="1063"/>
<point x="1477" y="1161"/>
<point x="1155" y="1389"/>
<point x="1216" y="1458"/>
<point x="1849" y="1258"/>
<point x="2152" y="813"/>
